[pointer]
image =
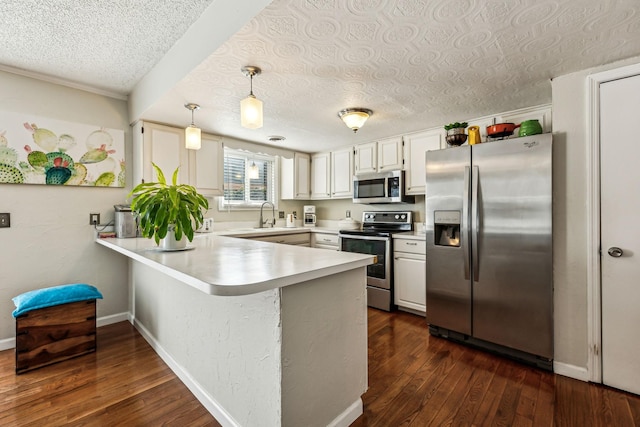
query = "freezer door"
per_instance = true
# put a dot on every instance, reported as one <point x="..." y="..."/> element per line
<point x="512" y="221"/>
<point x="446" y="229"/>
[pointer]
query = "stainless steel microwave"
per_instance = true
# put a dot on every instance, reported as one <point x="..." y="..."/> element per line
<point x="382" y="187"/>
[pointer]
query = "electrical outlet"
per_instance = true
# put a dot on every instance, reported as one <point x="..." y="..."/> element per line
<point x="5" y="219"/>
<point x="295" y="214"/>
<point x="348" y="214"/>
<point x="280" y="214"/>
<point x="94" y="218"/>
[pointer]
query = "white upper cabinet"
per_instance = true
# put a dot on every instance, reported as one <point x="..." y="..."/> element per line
<point x="321" y="176"/>
<point x="380" y="156"/>
<point x="390" y="154"/>
<point x="207" y="165"/>
<point x="366" y="158"/>
<point x="295" y="175"/>
<point x="164" y="146"/>
<point x="415" y="147"/>
<point x="342" y="173"/>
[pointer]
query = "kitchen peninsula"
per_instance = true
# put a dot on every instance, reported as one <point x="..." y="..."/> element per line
<point x="262" y="333"/>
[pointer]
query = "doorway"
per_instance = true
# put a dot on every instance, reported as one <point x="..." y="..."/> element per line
<point x="615" y="240"/>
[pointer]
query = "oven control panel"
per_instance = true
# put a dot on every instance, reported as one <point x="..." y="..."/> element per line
<point x="403" y="217"/>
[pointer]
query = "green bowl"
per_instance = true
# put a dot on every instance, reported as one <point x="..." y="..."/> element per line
<point x="530" y="127"/>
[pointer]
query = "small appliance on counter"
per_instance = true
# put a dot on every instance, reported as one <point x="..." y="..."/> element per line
<point x="126" y="225"/>
<point x="206" y="227"/>
<point x="291" y="221"/>
<point x="309" y="216"/>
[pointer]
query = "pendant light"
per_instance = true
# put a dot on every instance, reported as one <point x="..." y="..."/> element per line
<point x="354" y="118"/>
<point x="192" y="134"/>
<point x="251" y="107"/>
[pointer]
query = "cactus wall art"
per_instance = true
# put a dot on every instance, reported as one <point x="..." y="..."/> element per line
<point x="38" y="150"/>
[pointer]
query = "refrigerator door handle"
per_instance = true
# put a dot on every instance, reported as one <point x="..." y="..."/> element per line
<point x="464" y="232"/>
<point x="475" y="223"/>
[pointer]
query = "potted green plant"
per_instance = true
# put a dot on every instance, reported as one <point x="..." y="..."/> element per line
<point x="455" y="133"/>
<point x="168" y="212"/>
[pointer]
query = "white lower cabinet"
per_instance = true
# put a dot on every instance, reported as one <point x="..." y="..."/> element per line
<point x="301" y="239"/>
<point x="409" y="265"/>
<point x="324" y="240"/>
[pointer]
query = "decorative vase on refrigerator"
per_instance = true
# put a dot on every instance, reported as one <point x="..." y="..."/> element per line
<point x="489" y="246"/>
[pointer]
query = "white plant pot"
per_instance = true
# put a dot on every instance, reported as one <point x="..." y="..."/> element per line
<point x="169" y="243"/>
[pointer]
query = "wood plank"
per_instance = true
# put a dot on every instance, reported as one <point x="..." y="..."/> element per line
<point x="124" y="380"/>
<point x="416" y="381"/>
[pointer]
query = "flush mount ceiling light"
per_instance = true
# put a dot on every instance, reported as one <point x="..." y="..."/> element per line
<point x="192" y="134"/>
<point x="354" y="118"/>
<point x="251" y="107"/>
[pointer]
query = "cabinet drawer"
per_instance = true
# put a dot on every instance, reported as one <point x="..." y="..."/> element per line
<point x="325" y="239"/>
<point x="410" y="246"/>
<point x="288" y="239"/>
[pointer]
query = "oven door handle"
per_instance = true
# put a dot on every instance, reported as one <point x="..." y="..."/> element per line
<point x="354" y="237"/>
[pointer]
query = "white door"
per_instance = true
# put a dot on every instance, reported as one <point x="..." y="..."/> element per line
<point x="620" y="232"/>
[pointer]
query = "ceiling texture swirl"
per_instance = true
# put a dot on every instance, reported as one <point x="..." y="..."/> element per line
<point x="417" y="64"/>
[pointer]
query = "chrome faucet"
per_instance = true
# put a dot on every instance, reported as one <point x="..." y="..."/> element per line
<point x="273" y="211"/>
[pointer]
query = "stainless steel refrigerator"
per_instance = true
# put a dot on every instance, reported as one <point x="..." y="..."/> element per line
<point x="489" y="246"/>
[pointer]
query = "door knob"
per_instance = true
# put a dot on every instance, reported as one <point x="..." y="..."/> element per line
<point x="615" y="252"/>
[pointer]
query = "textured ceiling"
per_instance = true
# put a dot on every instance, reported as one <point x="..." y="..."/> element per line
<point x="416" y="63"/>
<point x="107" y="45"/>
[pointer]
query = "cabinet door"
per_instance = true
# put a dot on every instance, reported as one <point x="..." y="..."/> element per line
<point x="415" y="146"/>
<point x="366" y="158"/>
<point x="164" y="146"/>
<point x="206" y="166"/>
<point x="321" y="176"/>
<point x="302" y="175"/>
<point x="342" y="174"/>
<point x="390" y="154"/>
<point x="410" y="281"/>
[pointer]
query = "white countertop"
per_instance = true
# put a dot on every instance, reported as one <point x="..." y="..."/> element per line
<point x="270" y="231"/>
<point x="220" y="265"/>
<point x="411" y="235"/>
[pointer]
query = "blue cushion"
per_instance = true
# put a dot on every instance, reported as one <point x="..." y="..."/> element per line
<point x="56" y="295"/>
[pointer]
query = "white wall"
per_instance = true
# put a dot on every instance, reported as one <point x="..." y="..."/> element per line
<point x="570" y="226"/>
<point x="336" y="209"/>
<point x="50" y="241"/>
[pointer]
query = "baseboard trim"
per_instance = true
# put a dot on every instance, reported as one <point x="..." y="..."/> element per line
<point x="203" y="397"/>
<point x="9" y="343"/>
<point x="349" y="415"/>
<point x="111" y="319"/>
<point x="571" y="371"/>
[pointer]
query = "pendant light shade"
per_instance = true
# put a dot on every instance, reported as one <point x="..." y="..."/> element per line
<point x="354" y="118"/>
<point x="251" y="112"/>
<point x="192" y="134"/>
<point x="251" y="107"/>
<point x="254" y="171"/>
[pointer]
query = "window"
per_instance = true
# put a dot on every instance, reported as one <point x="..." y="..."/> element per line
<point x="242" y="191"/>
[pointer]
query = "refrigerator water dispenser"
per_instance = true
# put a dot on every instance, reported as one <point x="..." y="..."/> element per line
<point x="447" y="228"/>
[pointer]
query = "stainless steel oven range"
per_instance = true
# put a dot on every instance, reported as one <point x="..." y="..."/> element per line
<point x="375" y="238"/>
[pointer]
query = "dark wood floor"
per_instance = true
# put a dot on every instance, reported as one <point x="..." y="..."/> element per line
<point x="419" y="380"/>
<point x="123" y="384"/>
<point x="414" y="380"/>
